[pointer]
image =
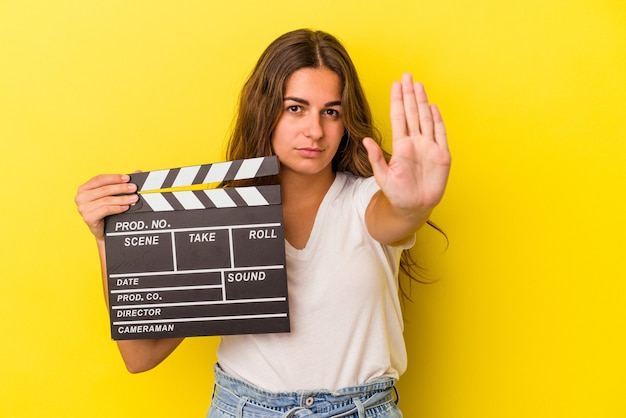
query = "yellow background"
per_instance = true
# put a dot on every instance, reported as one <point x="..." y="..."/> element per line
<point x="529" y="314"/>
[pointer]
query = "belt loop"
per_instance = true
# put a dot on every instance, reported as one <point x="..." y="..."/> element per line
<point x="240" y="405"/>
<point x="359" y="407"/>
<point x="397" y="394"/>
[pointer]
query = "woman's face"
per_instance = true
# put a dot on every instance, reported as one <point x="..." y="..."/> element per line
<point x="310" y="126"/>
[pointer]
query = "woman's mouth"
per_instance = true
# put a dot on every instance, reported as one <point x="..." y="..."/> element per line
<point x="309" y="152"/>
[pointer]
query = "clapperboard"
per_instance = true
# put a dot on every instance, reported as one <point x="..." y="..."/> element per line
<point x="209" y="261"/>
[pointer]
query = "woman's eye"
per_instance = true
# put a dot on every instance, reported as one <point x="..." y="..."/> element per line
<point x="293" y="108"/>
<point x="332" y="113"/>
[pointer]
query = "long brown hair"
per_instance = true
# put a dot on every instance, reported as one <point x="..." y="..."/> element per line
<point x="261" y="101"/>
<point x="261" y="104"/>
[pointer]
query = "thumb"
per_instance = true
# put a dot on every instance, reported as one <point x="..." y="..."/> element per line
<point x="376" y="159"/>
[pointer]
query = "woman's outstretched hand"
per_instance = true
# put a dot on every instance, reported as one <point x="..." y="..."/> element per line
<point x="415" y="177"/>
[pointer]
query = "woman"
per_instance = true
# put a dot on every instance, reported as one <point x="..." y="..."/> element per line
<point x="345" y="232"/>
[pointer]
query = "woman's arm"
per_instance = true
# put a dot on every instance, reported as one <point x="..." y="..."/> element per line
<point x="102" y="196"/>
<point x="414" y="180"/>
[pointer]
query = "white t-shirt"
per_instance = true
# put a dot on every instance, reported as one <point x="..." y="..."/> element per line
<point x="346" y="321"/>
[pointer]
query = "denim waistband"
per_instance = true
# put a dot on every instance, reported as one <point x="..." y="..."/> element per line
<point x="370" y="394"/>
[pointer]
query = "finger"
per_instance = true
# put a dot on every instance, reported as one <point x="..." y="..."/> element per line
<point x="441" y="136"/>
<point x="86" y="195"/>
<point x="411" y="109"/>
<point x="376" y="159"/>
<point x="103" y="180"/>
<point x="103" y="185"/>
<point x="397" y="113"/>
<point x="105" y="206"/>
<point x="425" y="115"/>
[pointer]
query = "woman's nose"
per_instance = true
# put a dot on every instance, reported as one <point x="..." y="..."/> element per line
<point x="314" y="129"/>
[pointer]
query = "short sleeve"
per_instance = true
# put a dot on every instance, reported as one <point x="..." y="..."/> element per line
<point x="365" y="190"/>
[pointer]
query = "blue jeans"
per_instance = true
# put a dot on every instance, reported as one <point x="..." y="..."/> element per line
<point x="235" y="398"/>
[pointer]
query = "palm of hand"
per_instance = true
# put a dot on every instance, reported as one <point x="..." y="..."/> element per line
<point x="417" y="173"/>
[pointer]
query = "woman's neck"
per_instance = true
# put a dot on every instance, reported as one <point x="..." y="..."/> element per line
<point x="305" y="188"/>
<point x="302" y="196"/>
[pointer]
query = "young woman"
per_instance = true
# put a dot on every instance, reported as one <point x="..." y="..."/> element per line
<point x="349" y="211"/>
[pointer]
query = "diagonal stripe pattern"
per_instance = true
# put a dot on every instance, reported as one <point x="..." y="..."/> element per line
<point x="208" y="199"/>
<point x="208" y="173"/>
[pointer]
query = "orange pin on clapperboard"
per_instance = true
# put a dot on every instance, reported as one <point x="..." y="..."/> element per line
<point x="198" y="262"/>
